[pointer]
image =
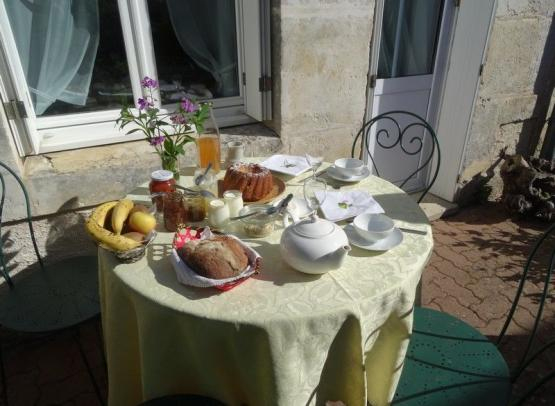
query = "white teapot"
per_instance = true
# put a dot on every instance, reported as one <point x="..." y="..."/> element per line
<point x="314" y="245"/>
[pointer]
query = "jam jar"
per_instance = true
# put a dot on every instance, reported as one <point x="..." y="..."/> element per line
<point x="194" y="207"/>
<point x="161" y="181"/>
<point x="174" y="212"/>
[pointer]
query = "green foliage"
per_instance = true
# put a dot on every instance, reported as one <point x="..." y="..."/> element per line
<point x="168" y="132"/>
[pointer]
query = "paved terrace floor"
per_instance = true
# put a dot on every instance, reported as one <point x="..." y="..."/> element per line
<point x="478" y="256"/>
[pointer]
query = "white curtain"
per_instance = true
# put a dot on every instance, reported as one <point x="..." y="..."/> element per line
<point x="409" y="32"/>
<point x="57" y="42"/>
<point x="205" y="30"/>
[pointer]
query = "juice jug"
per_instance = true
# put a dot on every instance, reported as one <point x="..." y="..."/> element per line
<point x="208" y="145"/>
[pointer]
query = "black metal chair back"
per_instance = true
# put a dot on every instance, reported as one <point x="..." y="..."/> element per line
<point x="392" y="135"/>
<point x="546" y="241"/>
<point x="3" y="265"/>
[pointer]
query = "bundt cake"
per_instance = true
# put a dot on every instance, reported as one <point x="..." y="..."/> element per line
<point x="253" y="180"/>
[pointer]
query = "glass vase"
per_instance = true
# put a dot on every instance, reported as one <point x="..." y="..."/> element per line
<point x="171" y="163"/>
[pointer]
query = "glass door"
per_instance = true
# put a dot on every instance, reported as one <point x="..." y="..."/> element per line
<point x="409" y="40"/>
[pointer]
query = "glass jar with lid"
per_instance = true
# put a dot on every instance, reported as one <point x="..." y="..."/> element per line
<point x="161" y="181"/>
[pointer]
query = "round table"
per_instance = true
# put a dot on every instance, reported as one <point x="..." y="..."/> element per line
<point x="280" y="338"/>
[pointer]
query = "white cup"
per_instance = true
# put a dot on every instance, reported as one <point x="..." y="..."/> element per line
<point x="349" y="166"/>
<point x="373" y="226"/>
<point x="235" y="152"/>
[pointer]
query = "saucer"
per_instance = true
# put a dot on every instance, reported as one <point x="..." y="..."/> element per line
<point x="391" y="241"/>
<point x="334" y="174"/>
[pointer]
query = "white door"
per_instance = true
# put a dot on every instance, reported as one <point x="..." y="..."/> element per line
<point x="408" y="67"/>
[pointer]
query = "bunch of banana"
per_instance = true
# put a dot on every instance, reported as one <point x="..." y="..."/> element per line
<point x="117" y="214"/>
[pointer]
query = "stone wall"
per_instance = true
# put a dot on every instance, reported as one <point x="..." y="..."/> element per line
<point x="320" y="69"/>
<point x="515" y="96"/>
<point x="68" y="180"/>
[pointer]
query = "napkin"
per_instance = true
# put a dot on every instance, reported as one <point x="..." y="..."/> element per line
<point x="287" y="164"/>
<point x="342" y="205"/>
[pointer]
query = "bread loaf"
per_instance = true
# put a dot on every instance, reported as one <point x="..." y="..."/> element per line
<point x="219" y="257"/>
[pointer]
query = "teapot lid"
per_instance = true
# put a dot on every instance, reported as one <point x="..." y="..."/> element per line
<point x="314" y="228"/>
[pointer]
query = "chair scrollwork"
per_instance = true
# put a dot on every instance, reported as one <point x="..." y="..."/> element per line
<point x="392" y="135"/>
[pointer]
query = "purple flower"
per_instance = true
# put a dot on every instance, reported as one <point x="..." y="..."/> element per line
<point x="149" y="83"/>
<point x="144" y="103"/>
<point x="178" y="119"/>
<point x="157" y="140"/>
<point x="188" y="105"/>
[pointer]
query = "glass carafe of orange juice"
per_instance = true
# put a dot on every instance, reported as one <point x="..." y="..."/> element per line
<point x="208" y="145"/>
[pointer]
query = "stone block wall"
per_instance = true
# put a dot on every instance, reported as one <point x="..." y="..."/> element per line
<point x="515" y="95"/>
<point x="321" y="70"/>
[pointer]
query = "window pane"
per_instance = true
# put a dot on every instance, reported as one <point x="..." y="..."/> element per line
<point x="195" y="43"/>
<point x="72" y="54"/>
<point x="409" y="37"/>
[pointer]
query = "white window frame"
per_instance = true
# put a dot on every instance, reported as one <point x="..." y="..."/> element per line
<point x="36" y="135"/>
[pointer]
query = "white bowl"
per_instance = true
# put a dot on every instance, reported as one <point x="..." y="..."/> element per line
<point x="372" y="226"/>
<point x="349" y="166"/>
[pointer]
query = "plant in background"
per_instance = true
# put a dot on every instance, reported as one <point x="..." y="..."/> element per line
<point x="168" y="133"/>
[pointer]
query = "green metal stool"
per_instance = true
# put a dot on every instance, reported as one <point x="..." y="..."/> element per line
<point x="55" y="297"/>
<point x="450" y="363"/>
<point x="389" y="135"/>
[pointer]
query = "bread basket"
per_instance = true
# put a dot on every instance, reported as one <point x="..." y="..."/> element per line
<point x="189" y="277"/>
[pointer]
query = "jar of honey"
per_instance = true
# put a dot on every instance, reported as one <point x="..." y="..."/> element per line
<point x="161" y="181"/>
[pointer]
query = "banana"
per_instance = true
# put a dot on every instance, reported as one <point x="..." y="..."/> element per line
<point x="100" y="213"/>
<point x="120" y="213"/>
<point x="94" y="226"/>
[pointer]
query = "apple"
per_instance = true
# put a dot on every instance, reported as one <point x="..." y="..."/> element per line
<point x="139" y="207"/>
<point x="141" y="222"/>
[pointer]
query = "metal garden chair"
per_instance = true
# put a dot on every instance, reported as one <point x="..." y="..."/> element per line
<point x="56" y="297"/>
<point x="390" y="134"/>
<point x="450" y="363"/>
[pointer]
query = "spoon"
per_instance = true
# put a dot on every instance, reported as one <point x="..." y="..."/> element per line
<point x="200" y="178"/>
<point x="269" y="211"/>
<point x="202" y="192"/>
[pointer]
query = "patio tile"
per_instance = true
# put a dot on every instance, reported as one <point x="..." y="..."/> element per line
<point x="494" y="247"/>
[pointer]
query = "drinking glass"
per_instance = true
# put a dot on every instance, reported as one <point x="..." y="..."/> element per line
<point x="235" y="152"/>
<point x="315" y="162"/>
<point x="313" y="186"/>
